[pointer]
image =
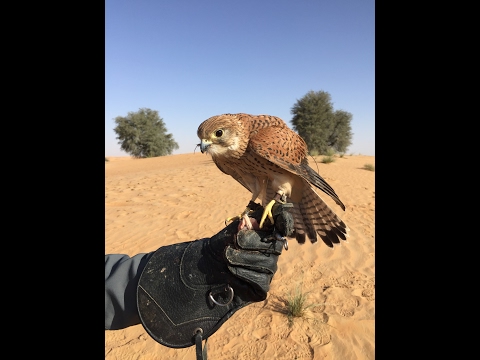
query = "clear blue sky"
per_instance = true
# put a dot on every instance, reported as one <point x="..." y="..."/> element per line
<point x="192" y="59"/>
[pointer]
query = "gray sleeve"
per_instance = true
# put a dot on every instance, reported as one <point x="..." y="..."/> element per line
<point x="121" y="279"/>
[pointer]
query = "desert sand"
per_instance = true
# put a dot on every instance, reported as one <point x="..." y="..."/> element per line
<point x="159" y="201"/>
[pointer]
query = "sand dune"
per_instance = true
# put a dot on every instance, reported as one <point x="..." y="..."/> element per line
<point x="160" y="201"/>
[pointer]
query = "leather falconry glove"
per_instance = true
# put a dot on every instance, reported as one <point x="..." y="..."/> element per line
<point x="188" y="290"/>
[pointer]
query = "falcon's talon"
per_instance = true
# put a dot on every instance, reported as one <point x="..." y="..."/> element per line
<point x="281" y="198"/>
<point x="244" y="214"/>
<point x="232" y="219"/>
<point x="267" y="212"/>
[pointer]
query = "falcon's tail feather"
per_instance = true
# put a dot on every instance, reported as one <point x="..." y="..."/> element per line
<point x="313" y="216"/>
<point x="300" y="228"/>
<point x="316" y="180"/>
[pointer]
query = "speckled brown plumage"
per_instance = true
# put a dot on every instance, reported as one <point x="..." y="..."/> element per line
<point x="267" y="157"/>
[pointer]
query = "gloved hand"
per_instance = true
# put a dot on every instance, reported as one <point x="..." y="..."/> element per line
<point x="194" y="287"/>
<point x="253" y="255"/>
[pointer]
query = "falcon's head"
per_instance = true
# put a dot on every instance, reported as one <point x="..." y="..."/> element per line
<point x="223" y="136"/>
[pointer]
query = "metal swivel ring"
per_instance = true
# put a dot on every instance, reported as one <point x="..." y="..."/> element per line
<point x="229" y="288"/>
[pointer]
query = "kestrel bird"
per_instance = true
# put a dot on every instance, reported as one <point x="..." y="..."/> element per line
<point x="270" y="160"/>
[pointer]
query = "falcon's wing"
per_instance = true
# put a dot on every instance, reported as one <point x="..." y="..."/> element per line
<point x="286" y="149"/>
<point x="231" y="172"/>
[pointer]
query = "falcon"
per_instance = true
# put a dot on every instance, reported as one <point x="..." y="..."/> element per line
<point x="270" y="160"/>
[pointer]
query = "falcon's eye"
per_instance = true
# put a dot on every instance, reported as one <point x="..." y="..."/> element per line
<point x="218" y="133"/>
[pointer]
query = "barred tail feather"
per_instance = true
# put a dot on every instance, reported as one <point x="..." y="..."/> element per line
<point x="318" y="218"/>
<point x="300" y="227"/>
<point x="316" y="180"/>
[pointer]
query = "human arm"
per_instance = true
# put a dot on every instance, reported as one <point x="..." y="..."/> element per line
<point x="121" y="279"/>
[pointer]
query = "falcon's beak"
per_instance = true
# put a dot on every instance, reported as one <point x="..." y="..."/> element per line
<point x="204" y="145"/>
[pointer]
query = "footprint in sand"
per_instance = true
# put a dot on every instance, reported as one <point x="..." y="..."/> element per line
<point x="293" y="350"/>
<point x="252" y="350"/>
<point x="315" y="274"/>
<point x="318" y="335"/>
<point x="369" y="294"/>
<point x="369" y="291"/>
<point x="319" y="306"/>
<point x="262" y="333"/>
<point x="263" y="321"/>
<point x="348" y="306"/>
<point x="235" y="331"/>
<point x="278" y="332"/>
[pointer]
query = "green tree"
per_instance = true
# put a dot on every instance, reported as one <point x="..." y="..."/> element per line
<point x="319" y="125"/>
<point x="341" y="136"/>
<point x="143" y="134"/>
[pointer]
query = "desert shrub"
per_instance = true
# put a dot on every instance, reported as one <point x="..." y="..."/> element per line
<point x="296" y="305"/>
<point x="328" y="159"/>
<point x="369" y="167"/>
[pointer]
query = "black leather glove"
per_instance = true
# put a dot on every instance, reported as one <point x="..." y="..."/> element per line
<point x="192" y="288"/>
